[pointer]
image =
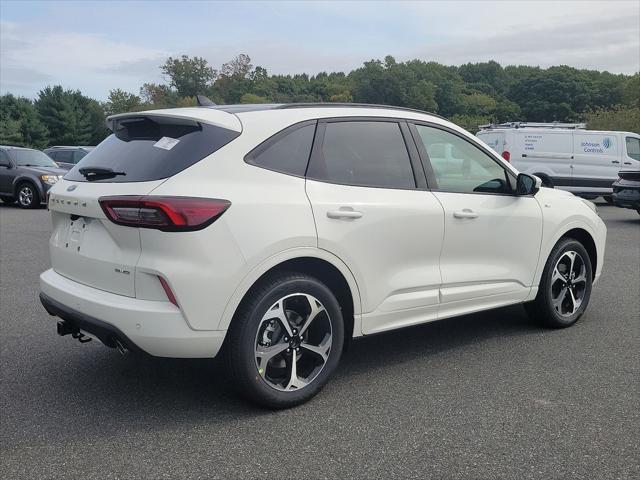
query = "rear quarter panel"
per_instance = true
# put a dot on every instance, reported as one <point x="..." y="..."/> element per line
<point x="269" y="213"/>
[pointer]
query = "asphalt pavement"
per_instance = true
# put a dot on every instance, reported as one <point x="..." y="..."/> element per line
<point x="486" y="396"/>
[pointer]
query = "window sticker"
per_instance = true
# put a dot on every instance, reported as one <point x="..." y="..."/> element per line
<point x="166" y="143"/>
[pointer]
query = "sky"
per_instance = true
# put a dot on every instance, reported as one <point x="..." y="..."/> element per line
<point x="96" y="46"/>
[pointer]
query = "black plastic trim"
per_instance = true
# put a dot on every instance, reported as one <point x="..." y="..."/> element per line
<point x="107" y="333"/>
<point x="353" y="105"/>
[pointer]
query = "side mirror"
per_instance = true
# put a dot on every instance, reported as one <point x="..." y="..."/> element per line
<point x="527" y="184"/>
<point x="5" y="163"/>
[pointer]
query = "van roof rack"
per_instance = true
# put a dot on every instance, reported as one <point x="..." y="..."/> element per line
<point x="570" y="126"/>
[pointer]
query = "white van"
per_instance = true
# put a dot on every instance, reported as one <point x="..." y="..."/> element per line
<point x="565" y="155"/>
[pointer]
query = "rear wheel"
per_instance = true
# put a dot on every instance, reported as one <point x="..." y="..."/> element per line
<point x="565" y="286"/>
<point x="285" y="341"/>
<point x="28" y="196"/>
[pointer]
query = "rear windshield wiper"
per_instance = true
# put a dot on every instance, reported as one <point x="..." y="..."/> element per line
<point x="98" y="173"/>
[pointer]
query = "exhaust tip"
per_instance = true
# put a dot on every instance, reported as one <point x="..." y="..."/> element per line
<point x="121" y="348"/>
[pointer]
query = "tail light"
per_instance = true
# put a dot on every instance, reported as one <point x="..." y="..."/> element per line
<point x="506" y="155"/>
<point x="169" y="214"/>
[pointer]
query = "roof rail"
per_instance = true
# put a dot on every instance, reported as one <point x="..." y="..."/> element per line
<point x="354" y="105"/>
<point x="571" y="126"/>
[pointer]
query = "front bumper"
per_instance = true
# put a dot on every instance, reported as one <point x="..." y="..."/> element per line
<point x="155" y="327"/>
<point x="626" y="197"/>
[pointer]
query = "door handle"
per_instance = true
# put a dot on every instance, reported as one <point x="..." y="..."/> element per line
<point x="627" y="163"/>
<point x="344" y="213"/>
<point x="465" y="213"/>
<point x="615" y="161"/>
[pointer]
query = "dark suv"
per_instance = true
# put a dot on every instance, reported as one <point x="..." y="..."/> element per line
<point x="26" y="175"/>
<point x="67" y="157"/>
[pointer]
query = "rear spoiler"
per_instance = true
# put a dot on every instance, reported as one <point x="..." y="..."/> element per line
<point x="209" y="116"/>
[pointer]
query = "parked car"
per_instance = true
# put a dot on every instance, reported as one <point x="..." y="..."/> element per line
<point x="66" y="156"/>
<point x="26" y="175"/>
<point x="626" y="190"/>
<point x="277" y="233"/>
<point x="565" y="155"/>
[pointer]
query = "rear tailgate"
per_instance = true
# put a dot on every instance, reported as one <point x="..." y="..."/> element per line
<point x="87" y="247"/>
<point x="145" y="149"/>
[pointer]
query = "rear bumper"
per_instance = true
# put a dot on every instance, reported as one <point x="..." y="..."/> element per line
<point x="157" y="328"/>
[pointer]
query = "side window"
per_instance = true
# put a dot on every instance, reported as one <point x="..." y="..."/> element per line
<point x="287" y="153"/>
<point x="65" y="156"/>
<point x="4" y="158"/>
<point x="52" y="154"/>
<point x="363" y="153"/>
<point x="633" y="148"/>
<point x="79" y="155"/>
<point x="461" y="167"/>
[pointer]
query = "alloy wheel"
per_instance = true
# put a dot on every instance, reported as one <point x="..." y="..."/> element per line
<point x="293" y="342"/>
<point x="568" y="283"/>
<point x="25" y="196"/>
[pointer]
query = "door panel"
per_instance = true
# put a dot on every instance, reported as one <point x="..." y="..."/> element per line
<point x="497" y="249"/>
<point x="546" y="151"/>
<point x="392" y="246"/>
<point x="6" y="173"/>
<point x="596" y="159"/>
<point x="492" y="237"/>
<point x="494" y="252"/>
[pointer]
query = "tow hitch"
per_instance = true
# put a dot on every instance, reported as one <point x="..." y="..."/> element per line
<point x="66" y="328"/>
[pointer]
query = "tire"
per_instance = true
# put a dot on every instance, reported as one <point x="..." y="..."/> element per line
<point x="552" y="307"/>
<point x="608" y="199"/>
<point x="258" y="331"/>
<point x="27" y="195"/>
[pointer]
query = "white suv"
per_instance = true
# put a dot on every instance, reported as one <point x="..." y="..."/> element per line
<point x="275" y="233"/>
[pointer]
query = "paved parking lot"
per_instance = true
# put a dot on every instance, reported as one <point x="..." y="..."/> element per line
<point x="484" y="396"/>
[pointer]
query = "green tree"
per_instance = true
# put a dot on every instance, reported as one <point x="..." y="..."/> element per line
<point x="19" y="123"/>
<point x="189" y="76"/>
<point x="236" y="79"/>
<point x="156" y="96"/>
<point x="65" y="114"/>
<point x="252" y="98"/>
<point x="120" y="101"/>
<point x="97" y="117"/>
<point x="631" y="92"/>
<point x="626" y="119"/>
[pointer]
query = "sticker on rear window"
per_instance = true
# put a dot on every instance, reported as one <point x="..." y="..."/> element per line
<point x="166" y="143"/>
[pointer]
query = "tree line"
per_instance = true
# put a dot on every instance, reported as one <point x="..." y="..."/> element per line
<point x="469" y="95"/>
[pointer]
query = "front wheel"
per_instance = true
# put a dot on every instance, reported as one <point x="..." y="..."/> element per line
<point x="565" y="286"/>
<point x="285" y="340"/>
<point x="28" y="196"/>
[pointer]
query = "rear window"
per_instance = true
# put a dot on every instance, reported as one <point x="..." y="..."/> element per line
<point x="151" y="147"/>
<point x="64" y="156"/>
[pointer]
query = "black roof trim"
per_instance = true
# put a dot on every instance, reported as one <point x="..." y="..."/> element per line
<point x="355" y="105"/>
<point x="253" y="107"/>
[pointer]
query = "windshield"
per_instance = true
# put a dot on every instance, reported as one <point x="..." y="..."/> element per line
<point x="32" y="158"/>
